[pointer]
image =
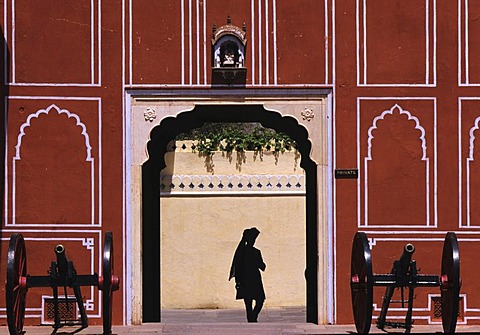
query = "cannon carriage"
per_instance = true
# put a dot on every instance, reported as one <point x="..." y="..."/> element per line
<point x="404" y="275"/>
<point x="61" y="274"/>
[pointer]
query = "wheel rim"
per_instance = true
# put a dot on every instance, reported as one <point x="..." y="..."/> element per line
<point x="107" y="283"/>
<point x="15" y="287"/>
<point x="361" y="283"/>
<point x="450" y="283"/>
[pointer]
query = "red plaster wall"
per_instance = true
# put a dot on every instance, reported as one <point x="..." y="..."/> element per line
<point x="372" y="57"/>
<point x="305" y="48"/>
<point x="396" y="41"/>
<point x="155" y="29"/>
<point x="63" y="115"/>
<point x="52" y="42"/>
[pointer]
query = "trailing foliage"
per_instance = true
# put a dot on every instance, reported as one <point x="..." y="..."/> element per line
<point x="239" y="137"/>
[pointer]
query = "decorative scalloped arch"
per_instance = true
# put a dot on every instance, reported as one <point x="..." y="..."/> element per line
<point x="298" y="124"/>
<point x="17" y="157"/>
<point x="368" y="158"/>
<point x="47" y="111"/>
<point x="382" y="117"/>
<point x="472" y="138"/>
<point x="305" y="151"/>
<point x="469" y="160"/>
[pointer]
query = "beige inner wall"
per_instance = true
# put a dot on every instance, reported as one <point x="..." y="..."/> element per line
<point x="187" y="162"/>
<point x="199" y="236"/>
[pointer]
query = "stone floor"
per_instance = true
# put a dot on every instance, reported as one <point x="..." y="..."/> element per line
<point x="272" y="321"/>
<point x="279" y="315"/>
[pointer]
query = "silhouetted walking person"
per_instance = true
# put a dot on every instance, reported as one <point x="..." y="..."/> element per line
<point x="246" y="266"/>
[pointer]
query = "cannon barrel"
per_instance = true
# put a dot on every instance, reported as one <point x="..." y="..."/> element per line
<point x="406" y="258"/>
<point x="62" y="260"/>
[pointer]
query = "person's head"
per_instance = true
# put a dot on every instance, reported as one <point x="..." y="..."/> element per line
<point x="250" y="235"/>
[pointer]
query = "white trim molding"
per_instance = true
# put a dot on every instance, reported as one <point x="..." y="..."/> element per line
<point x="466" y="158"/>
<point x="95" y="170"/>
<point x="362" y="43"/>
<point x="95" y="52"/>
<point x="465" y="41"/>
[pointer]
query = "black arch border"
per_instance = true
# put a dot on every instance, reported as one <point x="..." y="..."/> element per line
<point x="168" y="128"/>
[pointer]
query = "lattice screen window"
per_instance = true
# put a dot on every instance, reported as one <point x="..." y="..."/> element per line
<point x="67" y="310"/>
<point x="436" y="311"/>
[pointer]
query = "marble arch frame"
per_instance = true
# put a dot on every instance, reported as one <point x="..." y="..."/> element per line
<point x="311" y="109"/>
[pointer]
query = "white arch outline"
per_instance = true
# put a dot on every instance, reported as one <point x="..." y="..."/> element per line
<point x="469" y="160"/>
<point x="17" y="156"/>
<point x="47" y="111"/>
<point x="424" y="157"/>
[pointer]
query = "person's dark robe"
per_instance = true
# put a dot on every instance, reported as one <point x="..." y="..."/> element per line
<point x="246" y="267"/>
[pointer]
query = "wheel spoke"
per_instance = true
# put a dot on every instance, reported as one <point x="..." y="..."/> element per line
<point x="18" y="301"/>
<point x="22" y="265"/>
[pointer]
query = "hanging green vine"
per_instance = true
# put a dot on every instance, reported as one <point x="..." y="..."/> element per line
<point x="238" y="137"/>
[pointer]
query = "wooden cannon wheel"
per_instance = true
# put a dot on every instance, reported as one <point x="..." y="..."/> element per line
<point x="16" y="288"/>
<point x="108" y="283"/>
<point x="450" y="283"/>
<point x="361" y="283"/>
<point x="16" y="284"/>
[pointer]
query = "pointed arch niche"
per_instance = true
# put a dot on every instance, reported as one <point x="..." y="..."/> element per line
<point x="154" y="118"/>
<point x="397" y="172"/>
<point x="53" y="156"/>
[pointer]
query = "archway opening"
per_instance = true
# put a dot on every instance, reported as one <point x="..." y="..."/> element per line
<point x="161" y="135"/>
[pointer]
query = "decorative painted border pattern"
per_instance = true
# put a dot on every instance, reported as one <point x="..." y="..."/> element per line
<point x="17" y="157"/>
<point x="228" y="184"/>
<point x="365" y="224"/>
<point x="464" y="45"/>
<point x="187" y="11"/>
<point x="263" y="48"/>
<point x="95" y="47"/>
<point x="468" y="162"/>
<point x="88" y="243"/>
<point x="373" y="242"/>
<point x="190" y="20"/>
<point x="464" y="163"/>
<point x="368" y="158"/>
<point x="430" y="54"/>
<point x="377" y="309"/>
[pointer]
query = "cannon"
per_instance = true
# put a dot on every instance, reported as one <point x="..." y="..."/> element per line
<point x="404" y="274"/>
<point x="62" y="273"/>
